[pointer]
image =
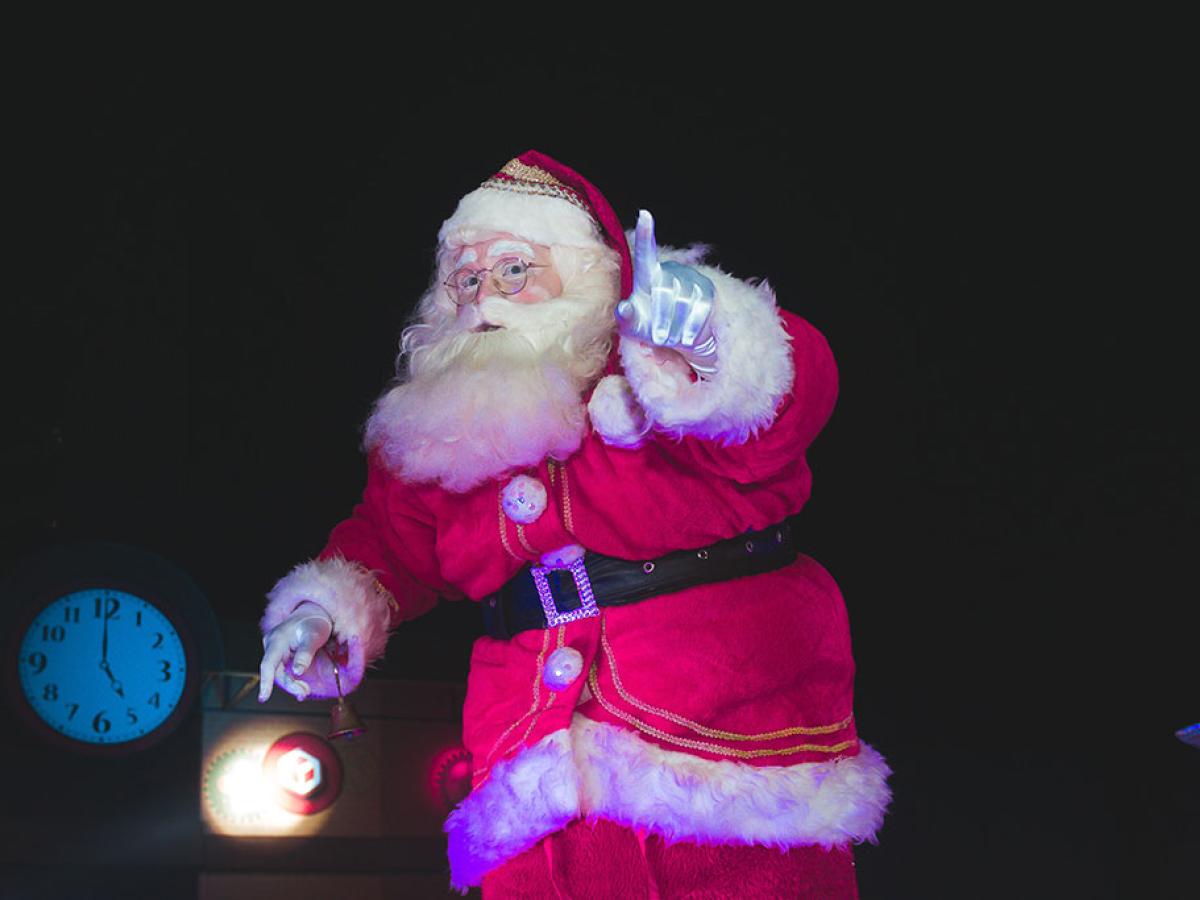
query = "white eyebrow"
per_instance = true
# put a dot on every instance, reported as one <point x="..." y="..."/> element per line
<point x="499" y="247"/>
<point x="467" y="256"/>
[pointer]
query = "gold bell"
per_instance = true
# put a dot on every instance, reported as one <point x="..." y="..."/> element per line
<point x="344" y="721"/>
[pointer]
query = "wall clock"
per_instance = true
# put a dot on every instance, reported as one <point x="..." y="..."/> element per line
<point x="105" y="658"/>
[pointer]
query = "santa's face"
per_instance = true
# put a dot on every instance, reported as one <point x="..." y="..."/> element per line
<point x="487" y="265"/>
<point x="496" y="373"/>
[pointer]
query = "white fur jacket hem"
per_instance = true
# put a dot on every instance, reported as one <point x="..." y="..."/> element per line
<point x="597" y="770"/>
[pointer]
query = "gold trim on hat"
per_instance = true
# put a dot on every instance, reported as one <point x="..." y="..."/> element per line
<point x="514" y="168"/>
<point x="526" y="179"/>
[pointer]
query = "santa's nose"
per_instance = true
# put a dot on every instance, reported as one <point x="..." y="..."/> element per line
<point x="488" y="287"/>
<point x="469" y="316"/>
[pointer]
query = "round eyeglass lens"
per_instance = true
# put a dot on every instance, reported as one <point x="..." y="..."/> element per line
<point x="511" y="273"/>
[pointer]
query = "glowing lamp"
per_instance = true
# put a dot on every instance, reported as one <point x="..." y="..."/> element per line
<point x="303" y="772"/>
<point x="234" y="790"/>
<point x="299" y="772"/>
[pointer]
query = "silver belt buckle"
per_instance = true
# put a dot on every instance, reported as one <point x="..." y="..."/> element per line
<point x="583" y="584"/>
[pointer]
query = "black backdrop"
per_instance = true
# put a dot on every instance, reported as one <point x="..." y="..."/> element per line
<point x="213" y="269"/>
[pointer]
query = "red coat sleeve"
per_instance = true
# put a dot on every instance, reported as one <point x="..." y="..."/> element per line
<point x="391" y="533"/>
<point x="801" y="414"/>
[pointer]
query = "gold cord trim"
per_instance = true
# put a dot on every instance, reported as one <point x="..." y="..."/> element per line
<point x="537" y="697"/>
<point x="594" y="683"/>
<point x="504" y="523"/>
<point x="525" y="179"/>
<point x="568" y="518"/>
<point x="524" y="541"/>
<point x="514" y="168"/>
<point x="544" y="190"/>
<point x="376" y="584"/>
<point x="696" y="726"/>
<point x="533" y="721"/>
<point x="562" y="635"/>
<point x="393" y="605"/>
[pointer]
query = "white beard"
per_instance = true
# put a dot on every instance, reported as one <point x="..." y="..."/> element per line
<point x="478" y="404"/>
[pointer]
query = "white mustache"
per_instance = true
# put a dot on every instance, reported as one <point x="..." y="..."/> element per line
<point x="532" y="319"/>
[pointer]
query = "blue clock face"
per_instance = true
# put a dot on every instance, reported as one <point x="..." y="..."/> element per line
<point x="102" y="666"/>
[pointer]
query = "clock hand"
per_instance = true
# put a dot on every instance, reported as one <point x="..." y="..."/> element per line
<point x="104" y="643"/>
<point x="116" y="684"/>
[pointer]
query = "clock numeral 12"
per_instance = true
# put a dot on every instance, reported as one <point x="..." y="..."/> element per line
<point x="110" y="607"/>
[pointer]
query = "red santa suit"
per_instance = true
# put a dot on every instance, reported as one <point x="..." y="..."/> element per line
<point x="720" y="714"/>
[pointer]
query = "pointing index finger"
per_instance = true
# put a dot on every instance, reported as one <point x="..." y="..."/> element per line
<point x="266" y="680"/>
<point x="272" y="657"/>
<point x="645" y="253"/>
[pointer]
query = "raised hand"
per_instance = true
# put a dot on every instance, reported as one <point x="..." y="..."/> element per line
<point x="670" y="305"/>
<point x="298" y="638"/>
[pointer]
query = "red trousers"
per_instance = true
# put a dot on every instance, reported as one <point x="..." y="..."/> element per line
<point x="611" y="862"/>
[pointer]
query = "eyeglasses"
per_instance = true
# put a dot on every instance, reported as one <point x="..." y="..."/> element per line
<point x="511" y="273"/>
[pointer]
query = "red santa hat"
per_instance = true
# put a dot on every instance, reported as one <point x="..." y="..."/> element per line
<point x="541" y="200"/>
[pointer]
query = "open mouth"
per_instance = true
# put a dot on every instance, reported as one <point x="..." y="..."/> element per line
<point x="485" y="327"/>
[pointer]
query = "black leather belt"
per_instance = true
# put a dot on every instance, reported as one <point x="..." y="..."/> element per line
<point x="538" y="597"/>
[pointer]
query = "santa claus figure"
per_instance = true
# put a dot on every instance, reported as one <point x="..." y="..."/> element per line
<point x="602" y="448"/>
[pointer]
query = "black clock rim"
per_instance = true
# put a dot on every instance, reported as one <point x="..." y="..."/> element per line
<point x="42" y="597"/>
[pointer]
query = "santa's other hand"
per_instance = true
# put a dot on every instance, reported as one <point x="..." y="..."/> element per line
<point x="292" y="644"/>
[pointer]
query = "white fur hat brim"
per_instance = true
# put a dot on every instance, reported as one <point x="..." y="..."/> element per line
<point x="538" y="218"/>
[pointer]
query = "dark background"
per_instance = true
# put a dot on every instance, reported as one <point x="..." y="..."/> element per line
<point x="213" y="268"/>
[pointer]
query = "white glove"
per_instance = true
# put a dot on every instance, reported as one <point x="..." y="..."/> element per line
<point x="297" y="637"/>
<point x="670" y="305"/>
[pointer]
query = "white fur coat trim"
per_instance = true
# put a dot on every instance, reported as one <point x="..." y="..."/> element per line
<point x="354" y="600"/>
<point x="615" y="414"/>
<point x="684" y="797"/>
<point x="598" y="770"/>
<point x="535" y="217"/>
<point x="527" y="797"/>
<point x="754" y="372"/>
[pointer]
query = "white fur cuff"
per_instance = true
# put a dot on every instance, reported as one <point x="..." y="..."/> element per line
<point x="355" y="602"/>
<point x="754" y="373"/>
